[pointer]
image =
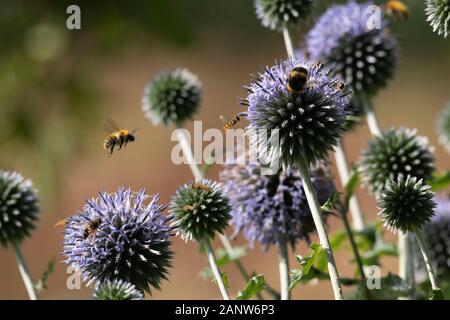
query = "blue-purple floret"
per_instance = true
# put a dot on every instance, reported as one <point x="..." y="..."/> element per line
<point x="310" y="123"/>
<point x="131" y="242"/>
<point x="437" y="234"/>
<point x="273" y="209"/>
<point x="353" y="40"/>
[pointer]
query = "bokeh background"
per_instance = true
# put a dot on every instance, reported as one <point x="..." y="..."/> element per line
<point x="58" y="87"/>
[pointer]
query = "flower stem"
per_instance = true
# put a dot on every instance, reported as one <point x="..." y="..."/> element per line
<point x="288" y="44"/>
<point x="427" y="260"/>
<point x="183" y="140"/>
<point x="185" y="145"/>
<point x="29" y="285"/>
<point x="405" y="262"/>
<point x="284" y="270"/>
<point x="344" y="174"/>
<point x="215" y="269"/>
<point x="356" y="254"/>
<point x="321" y="228"/>
<point x="371" y="118"/>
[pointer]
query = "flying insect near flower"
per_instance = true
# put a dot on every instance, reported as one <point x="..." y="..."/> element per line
<point x="118" y="137"/>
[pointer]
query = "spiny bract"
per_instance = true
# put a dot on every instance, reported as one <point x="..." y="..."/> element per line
<point x="396" y="153"/>
<point x="406" y="204"/>
<point x="172" y="97"/>
<point x="277" y="14"/>
<point x="130" y="239"/>
<point x="19" y="207"/>
<point x="200" y="209"/>
<point x="354" y="42"/>
<point x="438" y="15"/>
<point x="309" y="124"/>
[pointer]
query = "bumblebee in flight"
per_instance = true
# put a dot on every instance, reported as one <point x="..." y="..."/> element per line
<point x="119" y="137"/>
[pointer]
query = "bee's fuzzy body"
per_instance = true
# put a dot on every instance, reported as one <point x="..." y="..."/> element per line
<point x="119" y="138"/>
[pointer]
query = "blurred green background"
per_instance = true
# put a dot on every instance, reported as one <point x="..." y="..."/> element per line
<point x="58" y="87"/>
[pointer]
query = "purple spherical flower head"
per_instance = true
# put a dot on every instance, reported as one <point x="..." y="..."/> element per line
<point x="270" y="209"/>
<point x="437" y="235"/>
<point x="353" y="41"/>
<point x="309" y="123"/>
<point x="120" y="237"/>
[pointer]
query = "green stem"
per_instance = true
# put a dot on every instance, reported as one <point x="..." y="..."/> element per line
<point x="288" y="43"/>
<point x="284" y="270"/>
<point x="184" y="143"/>
<point x="320" y="226"/>
<point x="215" y="269"/>
<point x="371" y="118"/>
<point x="426" y="258"/>
<point x="356" y="254"/>
<point x="344" y="174"/>
<point x="29" y="285"/>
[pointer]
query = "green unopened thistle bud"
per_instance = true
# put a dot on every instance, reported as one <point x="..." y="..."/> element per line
<point x="117" y="290"/>
<point x="199" y="210"/>
<point x="172" y="97"/>
<point x="18" y="207"/>
<point x="277" y="14"/>
<point x="406" y="204"/>
<point x="393" y="154"/>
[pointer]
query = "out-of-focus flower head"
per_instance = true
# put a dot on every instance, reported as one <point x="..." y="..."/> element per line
<point x="270" y="209"/>
<point x="393" y="154"/>
<point x="19" y="207"/>
<point x="277" y="14"/>
<point x="354" y="42"/>
<point x="171" y="97"/>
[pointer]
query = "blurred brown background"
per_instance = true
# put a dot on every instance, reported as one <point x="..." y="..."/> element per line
<point x="57" y="88"/>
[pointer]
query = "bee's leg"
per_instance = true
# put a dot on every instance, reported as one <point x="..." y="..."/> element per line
<point x="121" y="142"/>
<point x="112" y="149"/>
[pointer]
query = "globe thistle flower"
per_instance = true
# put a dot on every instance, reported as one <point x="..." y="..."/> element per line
<point x="117" y="290"/>
<point x="171" y="97"/>
<point x="309" y="124"/>
<point x="444" y="127"/>
<point x="365" y="56"/>
<point x="355" y="111"/>
<point x="19" y="206"/>
<point x="273" y="209"/>
<point x="406" y="204"/>
<point x="436" y="235"/>
<point x="119" y="237"/>
<point x="393" y="154"/>
<point x="438" y="15"/>
<point x="277" y="14"/>
<point x="200" y="209"/>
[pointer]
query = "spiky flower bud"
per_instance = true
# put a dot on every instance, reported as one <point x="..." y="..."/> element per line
<point x="309" y="123"/>
<point x="171" y="97"/>
<point x="277" y="14"/>
<point x="273" y="209"/>
<point x="117" y="290"/>
<point x="18" y="207"/>
<point x="406" y="204"/>
<point x="354" y="44"/>
<point x="120" y="237"/>
<point x="200" y="209"/>
<point x="444" y="127"/>
<point x="438" y="15"/>
<point x="396" y="153"/>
